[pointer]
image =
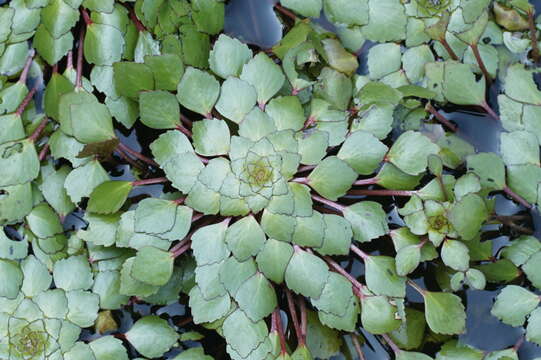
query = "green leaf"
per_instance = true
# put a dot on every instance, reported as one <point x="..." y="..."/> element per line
<point x="346" y="12"/>
<point x="378" y="315"/>
<point x="198" y="91"/>
<point x="363" y="152"/>
<point x="195" y="353"/>
<point x="107" y="286"/>
<point x="83" y="307"/>
<point x="108" y="197"/>
<point x="81" y="181"/>
<point x="384" y="59"/>
<point x="454" y="350"/>
<point x="159" y="109"/>
<point x="407" y="259"/>
<point x="264" y="75"/>
<point x="211" y="137"/>
<point x="155" y="216"/>
<point x="245" y="238"/>
<point x="387" y="21"/>
<point x="323" y="178"/>
<point x="410" y="152"/>
<point x="152" y="266"/>
<point x="406" y="355"/>
<point x="460" y="86"/>
<point x="73" y="273"/>
<point x="256" y="297"/>
<point x="152" y="336"/>
<point x="103" y="44"/>
<point x="322" y="341"/>
<point x="49" y="48"/>
<point x="455" y="255"/>
<point x="233" y="274"/>
<point x="208" y="310"/>
<point x="306" y="274"/>
<point x="338" y="58"/>
<point x="334" y="87"/>
<point x="489" y="168"/>
<point x="132" y="78"/>
<point x="502" y="270"/>
<point x="444" y="313"/>
<point x="468" y="215"/>
<point x="167" y="69"/>
<point x="273" y="259"/>
<point x="368" y="220"/>
<point x="131" y="286"/>
<point x="237" y="98"/>
<point x="19" y="161"/>
<point x="531" y="269"/>
<point x="43" y="221"/>
<point x="348" y="322"/>
<point x="308" y="8"/>
<point x="287" y="112"/>
<point x="336" y="294"/>
<point x="242" y="334"/>
<point x="208" y="244"/>
<point x="12" y="279"/>
<point x="513" y="304"/>
<point x="533" y="330"/>
<point x="520" y="249"/>
<point x="381" y="276"/>
<point x="519" y="148"/>
<point x="520" y="86"/>
<point x="228" y="56"/>
<point x="411" y="332"/>
<point x="58" y="17"/>
<point x="108" y="348"/>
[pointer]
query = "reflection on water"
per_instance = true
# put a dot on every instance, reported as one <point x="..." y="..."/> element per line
<point x="253" y="22"/>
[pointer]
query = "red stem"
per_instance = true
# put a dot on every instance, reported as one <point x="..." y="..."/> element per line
<point x="442" y="119"/>
<point x="26" y="68"/>
<point x="357" y="346"/>
<point x="416" y="287"/>
<point x="286" y="12"/>
<point x="175" y="254"/>
<point x="447" y="47"/>
<point x="185" y="120"/>
<point x="300" y="180"/>
<point x="359" y="252"/>
<point x="69" y="60"/>
<point x="516" y="197"/>
<point x="128" y="159"/>
<point x="86" y="18"/>
<point x="333" y="264"/>
<point x="138" y="24"/>
<point x="329" y="203"/>
<point x="393" y="346"/>
<point x="382" y="192"/>
<point x="26" y="100"/>
<point x="311" y="120"/>
<point x="55" y="68"/>
<point x="137" y="155"/>
<point x="370" y="181"/>
<point x="519" y="343"/>
<point x="43" y="152"/>
<point x="294" y="318"/>
<point x="183" y="130"/>
<point x="78" y="81"/>
<point x="159" y="180"/>
<point x="533" y="36"/>
<point x="36" y="134"/>
<point x="304" y="323"/>
<point x="306" y="168"/>
<point x="481" y="63"/>
<point x="489" y="111"/>
<point x="278" y="324"/>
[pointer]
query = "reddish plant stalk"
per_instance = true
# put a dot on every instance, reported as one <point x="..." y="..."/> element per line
<point x="393" y="346"/>
<point x="286" y="12"/>
<point x="333" y="264"/>
<point x="26" y="100"/>
<point x="489" y="111"/>
<point x="300" y="180"/>
<point x="442" y="119"/>
<point x="357" y="346"/>
<point x="36" y="134"/>
<point x="26" y="68"/>
<point x="69" y="60"/>
<point x="382" y="192"/>
<point x="448" y="48"/>
<point x="86" y="17"/>
<point x="481" y="63"/>
<point x="175" y="254"/>
<point x="159" y="180"/>
<point x="516" y="197"/>
<point x="43" y="152"/>
<point x="138" y="24"/>
<point x="128" y="159"/>
<point x="79" y="77"/>
<point x="183" y="130"/>
<point x="416" y="287"/>
<point x="294" y="317"/>
<point x="533" y="36"/>
<point x="137" y="155"/>
<point x="329" y="203"/>
<point x="306" y="168"/>
<point x="304" y="323"/>
<point x="279" y="329"/>
<point x="359" y="252"/>
<point x="370" y="181"/>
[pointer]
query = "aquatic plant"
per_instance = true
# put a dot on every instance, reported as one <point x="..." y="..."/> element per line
<point x="272" y="170"/>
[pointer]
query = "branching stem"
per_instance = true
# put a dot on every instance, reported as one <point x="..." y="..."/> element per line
<point x="26" y="68"/>
<point x="382" y="192"/>
<point x="333" y="264"/>
<point x="159" y="180"/>
<point x="449" y="49"/>
<point x="294" y="317"/>
<point x="370" y="181"/>
<point x="36" y="134"/>
<point x="442" y="119"/>
<point x="359" y="252"/>
<point x="513" y="195"/>
<point x="481" y="63"/>
<point x="489" y="111"/>
<point x="137" y="155"/>
<point x="329" y="203"/>
<point x="26" y="100"/>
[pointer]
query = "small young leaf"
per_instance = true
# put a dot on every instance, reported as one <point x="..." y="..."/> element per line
<point x="108" y="197"/>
